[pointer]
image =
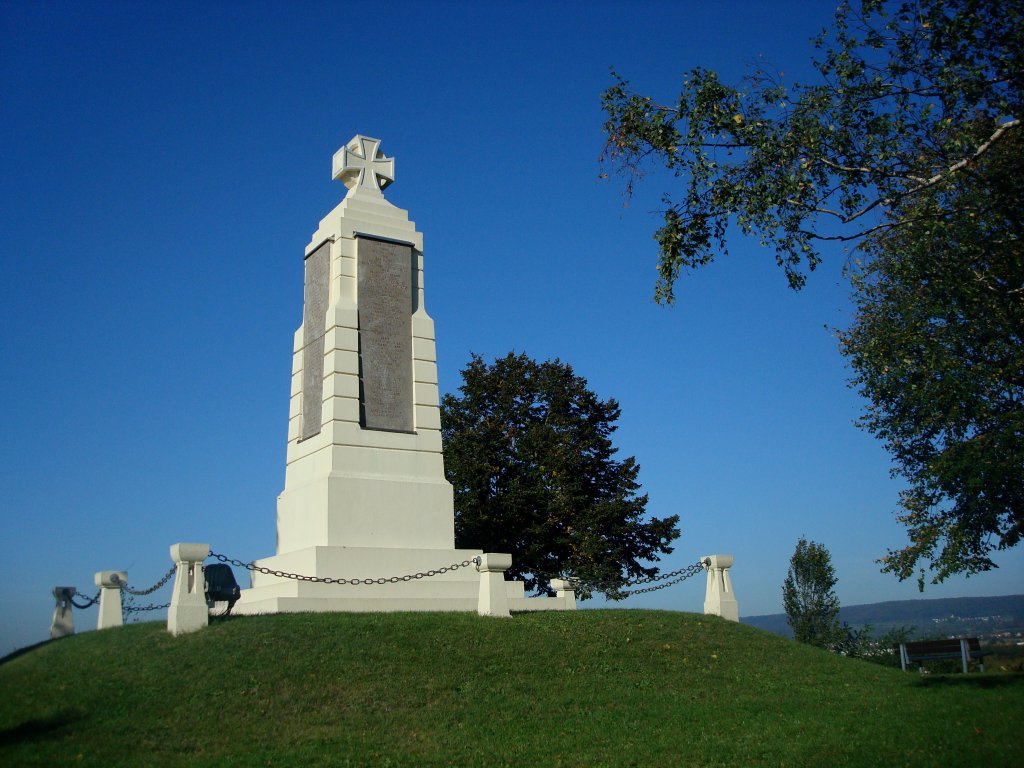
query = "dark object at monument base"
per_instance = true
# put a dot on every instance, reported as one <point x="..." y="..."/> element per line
<point x="221" y="585"/>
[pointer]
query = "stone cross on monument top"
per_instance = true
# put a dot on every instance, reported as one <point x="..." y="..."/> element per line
<point x="362" y="166"/>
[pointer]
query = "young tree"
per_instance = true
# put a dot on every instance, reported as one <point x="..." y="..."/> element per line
<point x="812" y="608"/>
<point x="863" y="643"/>
<point x="528" y="450"/>
<point x="911" y="148"/>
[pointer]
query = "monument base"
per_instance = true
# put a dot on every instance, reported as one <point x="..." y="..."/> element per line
<point x="454" y="590"/>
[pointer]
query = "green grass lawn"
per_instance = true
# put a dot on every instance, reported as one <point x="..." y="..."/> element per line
<point x="590" y="688"/>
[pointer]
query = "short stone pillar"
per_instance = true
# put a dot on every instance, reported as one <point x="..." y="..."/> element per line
<point x="564" y="589"/>
<point x="719" y="599"/>
<point x="493" y="599"/>
<point x="63" y="623"/>
<point x="110" y="583"/>
<point x="188" y="612"/>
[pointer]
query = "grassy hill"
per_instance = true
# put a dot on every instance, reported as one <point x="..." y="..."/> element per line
<point x="591" y="688"/>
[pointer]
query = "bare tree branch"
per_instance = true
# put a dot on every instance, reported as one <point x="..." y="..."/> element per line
<point x="998" y="134"/>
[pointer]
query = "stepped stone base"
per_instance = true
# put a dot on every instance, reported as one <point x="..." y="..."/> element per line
<point x="456" y="590"/>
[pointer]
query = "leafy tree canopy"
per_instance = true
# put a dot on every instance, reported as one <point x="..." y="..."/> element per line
<point x="937" y="348"/>
<point x="812" y="608"/>
<point x="528" y="450"/>
<point x="911" y="95"/>
<point x="911" y="147"/>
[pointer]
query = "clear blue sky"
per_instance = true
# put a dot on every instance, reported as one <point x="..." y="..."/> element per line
<point x="164" y="165"/>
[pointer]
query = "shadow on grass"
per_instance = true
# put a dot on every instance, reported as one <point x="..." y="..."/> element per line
<point x="223" y="618"/>
<point x="970" y="681"/>
<point x="39" y="729"/>
<point x="22" y="651"/>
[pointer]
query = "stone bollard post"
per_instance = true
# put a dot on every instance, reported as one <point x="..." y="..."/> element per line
<point x="188" y="612"/>
<point x="110" y="583"/>
<point x="493" y="599"/>
<point x="564" y="589"/>
<point x="63" y="623"/>
<point x="719" y="599"/>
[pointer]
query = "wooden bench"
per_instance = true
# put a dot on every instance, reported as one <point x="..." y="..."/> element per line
<point x="956" y="648"/>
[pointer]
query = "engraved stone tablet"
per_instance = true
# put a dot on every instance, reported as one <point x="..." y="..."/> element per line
<point x="314" y="311"/>
<point x="385" y="334"/>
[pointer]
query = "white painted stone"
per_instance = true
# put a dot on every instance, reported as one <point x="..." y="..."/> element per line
<point x="564" y="591"/>
<point x="63" y="623"/>
<point x="424" y="349"/>
<point x="425" y="371"/>
<point x="339" y="337"/>
<point x="493" y="596"/>
<point x="535" y="604"/>
<point x="427" y="417"/>
<point x="110" y="583"/>
<point x="719" y="599"/>
<point x="188" y="611"/>
<point x="425" y="394"/>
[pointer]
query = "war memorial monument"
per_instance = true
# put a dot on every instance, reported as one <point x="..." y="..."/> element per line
<point x="365" y="495"/>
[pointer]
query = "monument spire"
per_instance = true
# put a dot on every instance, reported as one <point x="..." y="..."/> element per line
<point x="362" y="166"/>
<point x="366" y="520"/>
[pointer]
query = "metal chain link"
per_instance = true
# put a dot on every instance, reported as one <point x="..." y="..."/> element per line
<point x="676" y="576"/>
<point x="151" y="590"/>
<point x="140" y="608"/>
<point x="353" y="582"/>
<point x="700" y="564"/>
<point x="90" y="601"/>
<point x="681" y="575"/>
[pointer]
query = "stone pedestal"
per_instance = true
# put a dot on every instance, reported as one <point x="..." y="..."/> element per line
<point x="493" y="597"/>
<point x="110" y="583"/>
<point x="63" y="623"/>
<point x="188" y="611"/>
<point x="564" y="591"/>
<point x="719" y="599"/>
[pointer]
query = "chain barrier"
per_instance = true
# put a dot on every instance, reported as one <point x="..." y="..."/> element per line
<point x="700" y="565"/>
<point x="675" y="577"/>
<point x="151" y="590"/>
<point x="668" y="579"/>
<point x="140" y="608"/>
<point x="340" y="580"/>
<point x="89" y="602"/>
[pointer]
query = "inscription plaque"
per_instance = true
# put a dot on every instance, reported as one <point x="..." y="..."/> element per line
<point x="314" y="312"/>
<point x="385" y="335"/>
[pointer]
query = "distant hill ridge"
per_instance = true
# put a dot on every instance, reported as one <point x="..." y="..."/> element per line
<point x="928" y="616"/>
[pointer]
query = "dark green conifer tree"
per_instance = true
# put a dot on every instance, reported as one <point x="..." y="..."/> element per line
<point x="812" y="608"/>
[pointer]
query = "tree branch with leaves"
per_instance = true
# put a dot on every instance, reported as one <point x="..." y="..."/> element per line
<point x="911" y="95"/>
<point x="910" y="148"/>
